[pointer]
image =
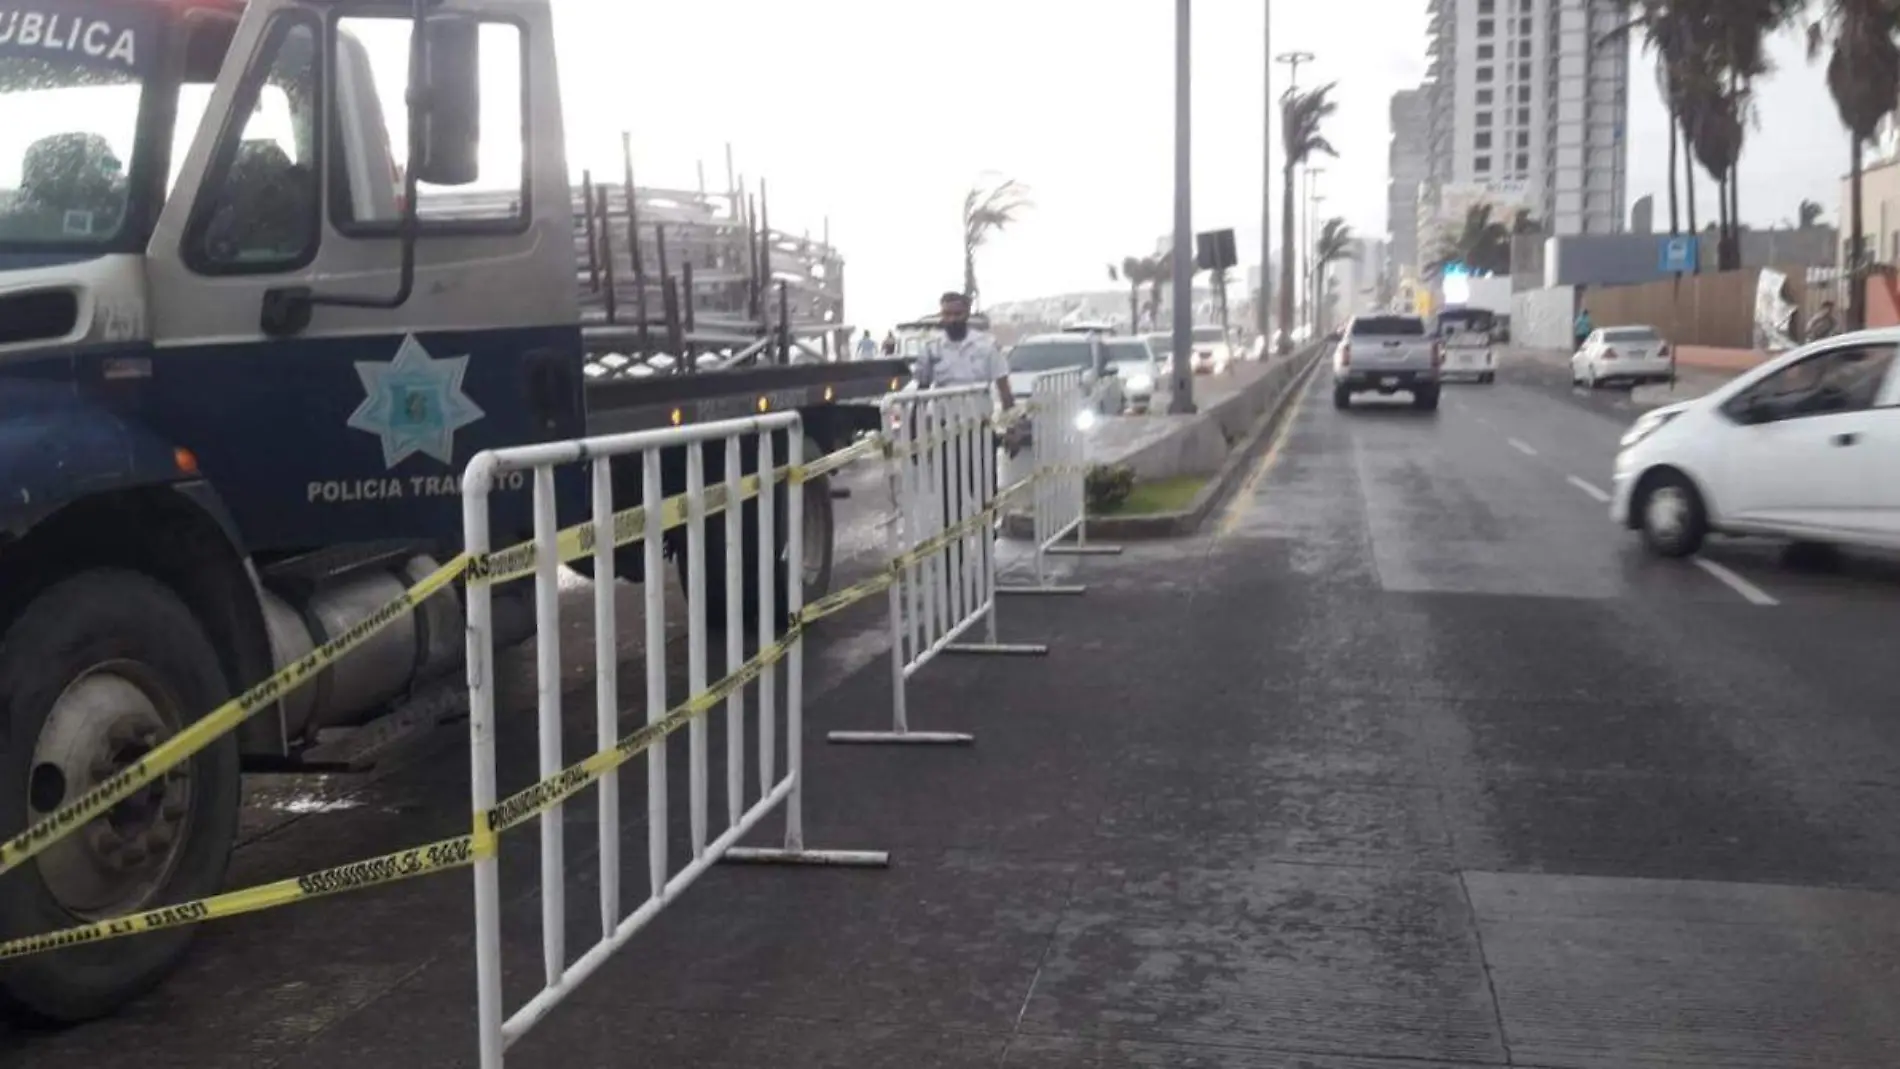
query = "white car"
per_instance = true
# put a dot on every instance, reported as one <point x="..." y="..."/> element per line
<point x="1631" y="356"/>
<point x="1213" y="351"/>
<point x="1805" y="447"/>
<point x="1032" y="356"/>
<point x="1136" y="370"/>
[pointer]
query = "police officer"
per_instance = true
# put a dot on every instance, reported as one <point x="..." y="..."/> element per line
<point x="961" y="356"/>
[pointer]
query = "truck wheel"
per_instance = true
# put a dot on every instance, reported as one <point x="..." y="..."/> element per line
<point x="819" y="552"/>
<point x="98" y="670"/>
<point x="1342" y="397"/>
<point x="1426" y="399"/>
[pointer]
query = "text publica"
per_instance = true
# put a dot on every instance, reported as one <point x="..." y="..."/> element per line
<point x="54" y="32"/>
<point x="398" y="488"/>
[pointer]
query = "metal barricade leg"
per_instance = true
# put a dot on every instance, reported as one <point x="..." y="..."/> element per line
<point x="795" y="852"/>
<point x="481" y="753"/>
<point x="985" y="599"/>
<point x="943" y="549"/>
<point x="1053" y="428"/>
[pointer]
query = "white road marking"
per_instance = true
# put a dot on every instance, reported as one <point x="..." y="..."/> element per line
<point x="1756" y="595"/>
<point x="1589" y="488"/>
<point x="1522" y="447"/>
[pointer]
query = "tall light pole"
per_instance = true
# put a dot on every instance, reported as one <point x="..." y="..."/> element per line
<point x="1181" y="397"/>
<point x="1314" y="267"/>
<point x="1266" y="179"/>
<point x="1310" y="200"/>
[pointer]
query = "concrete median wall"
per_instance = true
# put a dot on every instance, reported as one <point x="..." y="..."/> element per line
<point x="1200" y="444"/>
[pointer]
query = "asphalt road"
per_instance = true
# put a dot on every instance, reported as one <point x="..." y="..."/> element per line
<point x="1411" y="759"/>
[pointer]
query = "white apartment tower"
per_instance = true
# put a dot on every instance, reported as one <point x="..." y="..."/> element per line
<point x="1526" y="109"/>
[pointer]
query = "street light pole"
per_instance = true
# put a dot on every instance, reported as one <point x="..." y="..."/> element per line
<point x="1306" y="234"/>
<point x="1266" y="181"/>
<point x="1315" y="281"/>
<point x="1181" y="397"/>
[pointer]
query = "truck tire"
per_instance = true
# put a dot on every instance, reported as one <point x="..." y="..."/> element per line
<point x="820" y="551"/>
<point x="1426" y="399"/>
<point x="98" y="669"/>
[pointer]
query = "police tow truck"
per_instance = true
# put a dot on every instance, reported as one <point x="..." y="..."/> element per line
<point x="249" y="338"/>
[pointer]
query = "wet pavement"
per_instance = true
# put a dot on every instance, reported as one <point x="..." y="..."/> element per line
<point x="1411" y="760"/>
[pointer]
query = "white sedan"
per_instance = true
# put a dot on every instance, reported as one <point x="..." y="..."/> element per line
<point x="1632" y="356"/>
<point x="1805" y="447"/>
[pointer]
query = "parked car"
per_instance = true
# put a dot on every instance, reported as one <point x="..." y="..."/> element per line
<point x="1804" y="447"/>
<point x="1629" y="356"/>
<point x="1387" y="353"/>
<point x="1042" y="353"/>
<point x="1136" y="370"/>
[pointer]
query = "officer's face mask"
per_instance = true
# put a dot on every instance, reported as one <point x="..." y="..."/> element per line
<point x="956" y="329"/>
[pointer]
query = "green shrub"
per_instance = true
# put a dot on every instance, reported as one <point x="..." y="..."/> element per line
<point x="1108" y="485"/>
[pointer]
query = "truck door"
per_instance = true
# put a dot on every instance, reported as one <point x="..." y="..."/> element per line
<point x="355" y="423"/>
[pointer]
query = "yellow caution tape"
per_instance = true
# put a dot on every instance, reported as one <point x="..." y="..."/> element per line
<point x="459" y="852"/>
<point x="209" y="728"/>
<point x="511" y="563"/>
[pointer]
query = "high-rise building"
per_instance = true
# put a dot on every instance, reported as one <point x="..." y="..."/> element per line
<point x="1408" y="162"/>
<point x="1527" y="108"/>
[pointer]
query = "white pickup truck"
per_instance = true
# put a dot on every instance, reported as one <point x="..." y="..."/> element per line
<point x="1387" y="353"/>
<point x="1467" y="336"/>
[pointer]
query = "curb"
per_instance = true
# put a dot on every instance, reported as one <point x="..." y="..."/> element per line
<point x="1239" y="460"/>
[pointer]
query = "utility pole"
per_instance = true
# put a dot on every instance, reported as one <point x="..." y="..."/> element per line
<point x="1266" y="181"/>
<point x="1181" y="397"/>
<point x="1310" y="201"/>
<point x="1315" y="269"/>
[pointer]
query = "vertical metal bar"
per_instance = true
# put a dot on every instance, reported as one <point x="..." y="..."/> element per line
<point x="929" y="498"/>
<point x="894" y="547"/>
<point x="753" y="298"/>
<point x="767" y="555"/>
<point x="654" y="589"/>
<point x="547" y="686"/>
<point x="612" y="292"/>
<point x="916" y="530"/>
<point x="795" y="657"/>
<point x="735" y="633"/>
<point x="687" y="316"/>
<point x="675" y="337"/>
<point x="696" y="741"/>
<point x="986" y="491"/>
<point x="606" y="691"/>
<point x="951" y="490"/>
<point x="481" y="774"/>
<point x="587" y="219"/>
<point x="974" y="436"/>
<point x="633" y="239"/>
<point x="784" y="325"/>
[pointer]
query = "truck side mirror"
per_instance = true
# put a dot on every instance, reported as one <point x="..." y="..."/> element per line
<point x="451" y="85"/>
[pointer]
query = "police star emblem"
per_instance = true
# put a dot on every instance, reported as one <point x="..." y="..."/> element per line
<point x="415" y="403"/>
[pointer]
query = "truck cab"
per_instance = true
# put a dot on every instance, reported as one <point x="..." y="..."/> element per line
<point x="248" y="342"/>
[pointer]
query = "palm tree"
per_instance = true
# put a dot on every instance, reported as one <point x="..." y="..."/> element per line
<point x="1333" y="245"/>
<point x="988" y="208"/>
<point x="1665" y="27"/>
<point x="1480" y="243"/>
<point x="1301" y="115"/>
<point x="1809" y="215"/>
<point x="1863" y="75"/>
<point x="1137" y="271"/>
<point x="1160" y="273"/>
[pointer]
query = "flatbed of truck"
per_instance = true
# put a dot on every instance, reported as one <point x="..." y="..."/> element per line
<point x="618" y="405"/>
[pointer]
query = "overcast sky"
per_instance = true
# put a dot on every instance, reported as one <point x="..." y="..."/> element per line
<point x="880" y="113"/>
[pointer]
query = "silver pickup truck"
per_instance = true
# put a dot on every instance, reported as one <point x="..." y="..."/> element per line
<point x="1387" y="353"/>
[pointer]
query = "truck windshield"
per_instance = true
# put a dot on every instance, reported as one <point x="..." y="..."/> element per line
<point x="71" y="85"/>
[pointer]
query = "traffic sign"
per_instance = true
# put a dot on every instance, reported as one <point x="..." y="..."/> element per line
<point x="1678" y="254"/>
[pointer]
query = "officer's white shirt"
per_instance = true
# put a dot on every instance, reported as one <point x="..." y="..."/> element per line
<point x="975" y="361"/>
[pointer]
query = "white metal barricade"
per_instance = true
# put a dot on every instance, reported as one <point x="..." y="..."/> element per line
<point x="1060" y="409"/>
<point x="646" y="523"/>
<point x="942" y="543"/>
